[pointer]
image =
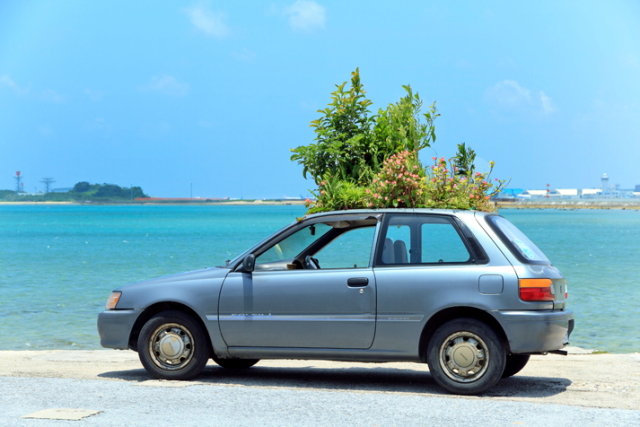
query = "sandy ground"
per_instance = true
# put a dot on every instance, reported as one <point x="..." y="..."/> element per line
<point x="580" y="379"/>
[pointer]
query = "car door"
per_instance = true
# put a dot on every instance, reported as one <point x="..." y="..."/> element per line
<point x="431" y="262"/>
<point x="283" y="303"/>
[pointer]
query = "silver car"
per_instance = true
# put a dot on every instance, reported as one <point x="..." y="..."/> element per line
<point x="465" y="292"/>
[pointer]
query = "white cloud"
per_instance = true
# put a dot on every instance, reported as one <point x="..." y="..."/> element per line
<point x="207" y="21"/>
<point x="305" y="15"/>
<point x="508" y="95"/>
<point x="167" y="85"/>
<point x="6" y="81"/>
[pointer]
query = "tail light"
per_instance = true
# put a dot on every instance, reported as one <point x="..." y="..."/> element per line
<point x="536" y="290"/>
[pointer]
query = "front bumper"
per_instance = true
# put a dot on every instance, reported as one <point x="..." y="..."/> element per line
<point x="536" y="331"/>
<point x="114" y="327"/>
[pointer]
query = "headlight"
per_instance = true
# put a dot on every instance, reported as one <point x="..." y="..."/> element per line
<point x="113" y="300"/>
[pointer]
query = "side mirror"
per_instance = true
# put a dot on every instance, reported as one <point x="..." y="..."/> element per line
<point x="249" y="263"/>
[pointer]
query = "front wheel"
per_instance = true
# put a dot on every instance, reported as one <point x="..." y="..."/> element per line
<point x="173" y="346"/>
<point x="466" y="356"/>
<point x="515" y="363"/>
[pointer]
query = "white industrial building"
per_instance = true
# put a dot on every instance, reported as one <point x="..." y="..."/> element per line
<point x="605" y="191"/>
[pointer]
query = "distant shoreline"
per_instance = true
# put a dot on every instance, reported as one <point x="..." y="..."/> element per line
<point x="561" y="205"/>
<point x="572" y="204"/>
<point x="172" y="203"/>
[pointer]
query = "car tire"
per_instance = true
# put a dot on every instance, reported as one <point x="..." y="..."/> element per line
<point x="515" y="363"/>
<point x="235" y="363"/>
<point x="466" y="356"/>
<point x="173" y="346"/>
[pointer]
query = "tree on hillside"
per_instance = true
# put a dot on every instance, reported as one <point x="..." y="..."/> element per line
<point x="81" y="187"/>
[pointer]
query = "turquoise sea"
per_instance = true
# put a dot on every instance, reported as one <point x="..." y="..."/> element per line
<point x="58" y="264"/>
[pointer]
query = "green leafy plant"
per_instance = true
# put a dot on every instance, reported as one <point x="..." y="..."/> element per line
<point x="448" y="189"/>
<point x="399" y="127"/>
<point x="465" y="160"/>
<point x="336" y="194"/>
<point x="343" y="137"/>
<point x="352" y="145"/>
<point x="364" y="161"/>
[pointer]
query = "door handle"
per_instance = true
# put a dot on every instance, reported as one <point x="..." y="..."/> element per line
<point x="355" y="282"/>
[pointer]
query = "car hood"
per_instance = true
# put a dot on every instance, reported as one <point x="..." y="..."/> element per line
<point x="176" y="279"/>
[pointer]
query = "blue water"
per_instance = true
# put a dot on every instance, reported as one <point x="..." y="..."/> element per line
<point x="58" y="264"/>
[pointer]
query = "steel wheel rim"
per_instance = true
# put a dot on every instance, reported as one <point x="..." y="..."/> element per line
<point x="171" y="346"/>
<point x="464" y="357"/>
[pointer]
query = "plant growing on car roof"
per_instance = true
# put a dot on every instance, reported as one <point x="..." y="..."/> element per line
<point x="352" y="145"/>
<point x="447" y="188"/>
<point x="364" y="161"/>
<point x="400" y="183"/>
<point x="343" y="137"/>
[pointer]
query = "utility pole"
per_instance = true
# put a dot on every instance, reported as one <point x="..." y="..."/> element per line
<point x="47" y="183"/>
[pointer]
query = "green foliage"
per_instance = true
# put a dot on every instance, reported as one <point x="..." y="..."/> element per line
<point x="336" y="194"/>
<point x="343" y="137"/>
<point x="352" y="146"/>
<point x="400" y="128"/>
<point x="81" y="187"/>
<point x="363" y="161"/>
<point x="82" y="191"/>
<point x="465" y="160"/>
<point x="400" y="183"/>
<point x="450" y="190"/>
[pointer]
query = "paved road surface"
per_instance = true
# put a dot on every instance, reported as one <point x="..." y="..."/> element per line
<point x="579" y="390"/>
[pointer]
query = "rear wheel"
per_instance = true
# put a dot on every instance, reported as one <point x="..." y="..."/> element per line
<point x="465" y="356"/>
<point x="515" y="363"/>
<point x="173" y="346"/>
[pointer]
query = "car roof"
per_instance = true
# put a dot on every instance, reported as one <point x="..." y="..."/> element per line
<point x="454" y="212"/>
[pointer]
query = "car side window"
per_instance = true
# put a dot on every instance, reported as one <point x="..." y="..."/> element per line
<point x="442" y="243"/>
<point x="421" y="239"/>
<point x="351" y="249"/>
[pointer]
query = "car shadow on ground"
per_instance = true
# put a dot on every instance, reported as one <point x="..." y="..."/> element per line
<point x="376" y="379"/>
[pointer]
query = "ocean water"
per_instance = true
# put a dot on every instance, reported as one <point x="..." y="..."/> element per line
<point x="58" y="264"/>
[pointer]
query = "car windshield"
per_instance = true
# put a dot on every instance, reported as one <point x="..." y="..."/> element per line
<point x="293" y="245"/>
<point x="517" y="242"/>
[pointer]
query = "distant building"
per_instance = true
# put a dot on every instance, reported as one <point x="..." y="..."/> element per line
<point x="605" y="183"/>
<point x="568" y="193"/>
<point x="591" y="193"/>
<point x="606" y="191"/>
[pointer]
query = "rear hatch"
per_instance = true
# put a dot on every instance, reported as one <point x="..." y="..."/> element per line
<point x="539" y="280"/>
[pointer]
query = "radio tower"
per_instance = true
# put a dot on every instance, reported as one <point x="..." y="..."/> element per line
<point x="18" y="178"/>
<point x="47" y="182"/>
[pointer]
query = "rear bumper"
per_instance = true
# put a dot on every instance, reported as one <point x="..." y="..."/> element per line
<point x="536" y="331"/>
<point x="114" y="327"/>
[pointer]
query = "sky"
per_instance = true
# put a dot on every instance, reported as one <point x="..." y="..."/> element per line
<point x="205" y="98"/>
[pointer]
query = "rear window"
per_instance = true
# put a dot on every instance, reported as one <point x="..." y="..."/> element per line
<point x="519" y="244"/>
